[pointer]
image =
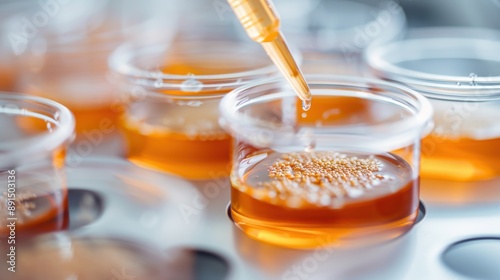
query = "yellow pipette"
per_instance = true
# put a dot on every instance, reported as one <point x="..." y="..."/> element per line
<point x="262" y="24"/>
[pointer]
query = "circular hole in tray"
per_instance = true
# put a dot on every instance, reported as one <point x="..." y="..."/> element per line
<point x="85" y="207"/>
<point x="477" y="258"/>
<point x="199" y="264"/>
<point x="422" y="211"/>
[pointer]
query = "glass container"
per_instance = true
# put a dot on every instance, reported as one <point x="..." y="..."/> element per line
<point x="35" y="135"/>
<point x="344" y="173"/>
<point x="64" y="56"/>
<point x="458" y="69"/>
<point x="173" y="93"/>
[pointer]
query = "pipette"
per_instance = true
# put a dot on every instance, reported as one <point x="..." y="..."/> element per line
<point x="262" y="25"/>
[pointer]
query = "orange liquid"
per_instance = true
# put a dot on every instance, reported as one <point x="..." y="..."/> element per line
<point x="38" y="214"/>
<point x="194" y="157"/>
<point x="366" y="219"/>
<point x="461" y="159"/>
<point x="87" y="118"/>
<point x="7" y="79"/>
<point x="201" y="152"/>
<point x="334" y="110"/>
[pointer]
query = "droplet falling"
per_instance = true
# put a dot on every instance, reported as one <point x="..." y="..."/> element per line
<point x="306" y="105"/>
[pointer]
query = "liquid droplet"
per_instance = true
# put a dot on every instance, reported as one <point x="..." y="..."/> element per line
<point x="158" y="83"/>
<point x="191" y="85"/>
<point x="304" y="115"/>
<point x="472" y="77"/>
<point x="306" y="105"/>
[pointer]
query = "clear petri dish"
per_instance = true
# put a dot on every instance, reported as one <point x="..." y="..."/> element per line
<point x="343" y="173"/>
<point x="173" y="93"/>
<point x="33" y="145"/>
<point x="459" y="71"/>
<point x="66" y="60"/>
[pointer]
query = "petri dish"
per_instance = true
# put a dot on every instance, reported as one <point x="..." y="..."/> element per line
<point x="66" y="60"/>
<point x="344" y="173"/>
<point x="459" y="71"/>
<point x="33" y="192"/>
<point x="173" y="92"/>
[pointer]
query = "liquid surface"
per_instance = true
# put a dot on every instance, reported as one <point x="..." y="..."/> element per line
<point x="201" y="156"/>
<point x="183" y="136"/>
<point x="349" y="111"/>
<point x="184" y="140"/>
<point x="464" y="143"/>
<point x="311" y="217"/>
<point x="7" y="79"/>
<point x="91" y="102"/>
<point x="199" y="64"/>
<point x="460" y="159"/>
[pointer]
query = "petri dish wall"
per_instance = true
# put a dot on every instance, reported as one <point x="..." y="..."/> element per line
<point x="459" y="71"/>
<point x="32" y="153"/>
<point x="344" y="173"/>
<point x="173" y="93"/>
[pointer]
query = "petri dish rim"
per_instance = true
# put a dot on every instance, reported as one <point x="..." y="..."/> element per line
<point x="422" y="43"/>
<point x="62" y="133"/>
<point x="420" y="120"/>
<point x="121" y="62"/>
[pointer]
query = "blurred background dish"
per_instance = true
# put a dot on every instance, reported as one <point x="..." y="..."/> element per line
<point x="33" y="194"/>
<point x="173" y="92"/>
<point x="62" y="50"/>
